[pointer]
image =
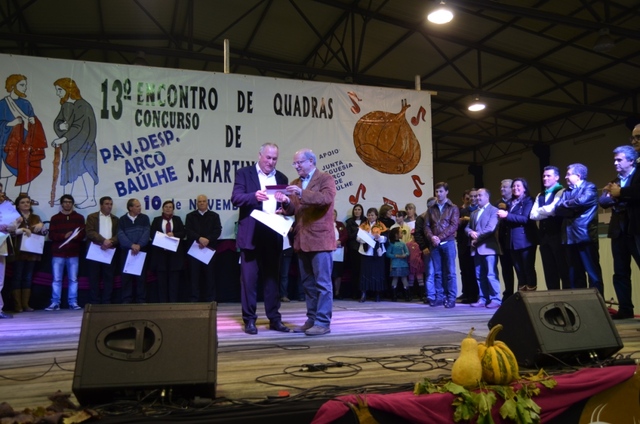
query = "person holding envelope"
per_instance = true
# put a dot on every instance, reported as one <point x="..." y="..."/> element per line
<point x="167" y="263"/>
<point x="203" y="229"/>
<point x="66" y="232"/>
<point x="24" y="262"/>
<point x="102" y="230"/>
<point x="133" y="236"/>
<point x="260" y="247"/>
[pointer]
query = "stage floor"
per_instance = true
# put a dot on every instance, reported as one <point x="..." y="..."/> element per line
<point x="381" y="346"/>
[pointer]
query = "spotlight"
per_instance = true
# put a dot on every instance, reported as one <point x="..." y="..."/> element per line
<point x="477" y="105"/>
<point x="604" y="43"/>
<point x="441" y="15"/>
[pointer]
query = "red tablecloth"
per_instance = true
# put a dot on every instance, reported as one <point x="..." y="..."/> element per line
<point x="436" y="408"/>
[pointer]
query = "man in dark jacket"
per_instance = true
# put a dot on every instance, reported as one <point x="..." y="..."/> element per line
<point x="203" y="227"/>
<point x="260" y="247"/>
<point x="579" y="208"/>
<point x="554" y="258"/>
<point x="441" y="225"/>
<point x="623" y="246"/>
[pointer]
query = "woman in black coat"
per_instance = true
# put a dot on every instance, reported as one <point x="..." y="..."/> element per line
<point x="166" y="263"/>
<point x="522" y="234"/>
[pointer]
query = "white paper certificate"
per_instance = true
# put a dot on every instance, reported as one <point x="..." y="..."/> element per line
<point x="8" y="213"/>
<point x="204" y="255"/>
<point x="366" y="237"/>
<point x="134" y="263"/>
<point x="338" y="254"/>
<point x="96" y="253"/>
<point x="278" y="223"/>
<point x="34" y="243"/>
<point x="75" y="233"/>
<point x="164" y="241"/>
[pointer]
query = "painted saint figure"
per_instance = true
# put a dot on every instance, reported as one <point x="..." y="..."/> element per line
<point x="76" y="129"/>
<point x="22" y="138"/>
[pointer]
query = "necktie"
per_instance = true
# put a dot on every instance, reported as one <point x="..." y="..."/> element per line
<point x="168" y="227"/>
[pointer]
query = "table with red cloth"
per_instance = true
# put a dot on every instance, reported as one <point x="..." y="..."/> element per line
<point x="436" y="408"/>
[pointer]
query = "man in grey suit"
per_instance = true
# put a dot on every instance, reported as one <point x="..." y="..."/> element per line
<point x="483" y="234"/>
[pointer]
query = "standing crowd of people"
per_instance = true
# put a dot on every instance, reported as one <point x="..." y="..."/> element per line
<point x="386" y="251"/>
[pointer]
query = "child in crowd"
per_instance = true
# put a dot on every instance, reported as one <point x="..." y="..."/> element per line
<point x="342" y="236"/>
<point x="399" y="255"/>
<point x="410" y="220"/>
<point x="416" y="265"/>
<point x="372" y="268"/>
<point x="405" y="230"/>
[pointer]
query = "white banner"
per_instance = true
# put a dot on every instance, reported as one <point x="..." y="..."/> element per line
<point x="158" y="134"/>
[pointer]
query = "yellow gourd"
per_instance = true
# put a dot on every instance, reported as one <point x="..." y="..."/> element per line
<point x="499" y="365"/>
<point x="467" y="370"/>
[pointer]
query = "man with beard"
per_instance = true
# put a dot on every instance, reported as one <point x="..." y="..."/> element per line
<point x="76" y="129"/>
<point x="22" y="138"/>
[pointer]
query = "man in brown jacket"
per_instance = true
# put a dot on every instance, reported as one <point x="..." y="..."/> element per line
<point x="311" y="199"/>
<point x="102" y="229"/>
<point x="441" y="225"/>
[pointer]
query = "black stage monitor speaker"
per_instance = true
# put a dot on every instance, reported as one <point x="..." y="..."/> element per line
<point x="126" y="351"/>
<point x="542" y="327"/>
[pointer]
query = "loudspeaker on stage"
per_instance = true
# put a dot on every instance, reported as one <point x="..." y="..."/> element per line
<point x="557" y="326"/>
<point x="129" y="350"/>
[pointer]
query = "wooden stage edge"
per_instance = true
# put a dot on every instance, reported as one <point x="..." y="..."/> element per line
<point x="380" y="346"/>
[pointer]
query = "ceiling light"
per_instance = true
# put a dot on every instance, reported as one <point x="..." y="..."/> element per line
<point x="604" y="43"/>
<point x="140" y="59"/>
<point x="441" y="15"/>
<point x="477" y="105"/>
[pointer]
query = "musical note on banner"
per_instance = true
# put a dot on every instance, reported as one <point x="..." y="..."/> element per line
<point x="390" y="203"/>
<point x="416" y="180"/>
<point x="421" y="114"/>
<point x="361" y="191"/>
<point x="355" y="109"/>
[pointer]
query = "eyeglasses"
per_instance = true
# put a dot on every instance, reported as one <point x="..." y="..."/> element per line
<point x="634" y="138"/>
<point x="299" y="162"/>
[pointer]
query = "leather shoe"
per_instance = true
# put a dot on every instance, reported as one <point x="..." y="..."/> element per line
<point x="478" y="304"/>
<point x="250" y="327"/>
<point x="6" y="316"/>
<point x="304" y="327"/>
<point x="436" y="302"/>
<point x="493" y="305"/>
<point x="317" y="330"/>
<point x="450" y="304"/>
<point x="623" y="315"/>
<point x="279" y="326"/>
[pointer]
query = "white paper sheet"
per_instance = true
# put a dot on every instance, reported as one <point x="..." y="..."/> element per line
<point x="8" y="213"/>
<point x="164" y="241"/>
<point x="338" y="254"/>
<point x="96" y="253"/>
<point x="75" y="233"/>
<point x="278" y="223"/>
<point x="366" y="237"/>
<point x="34" y="243"/>
<point x="134" y="263"/>
<point x="204" y="255"/>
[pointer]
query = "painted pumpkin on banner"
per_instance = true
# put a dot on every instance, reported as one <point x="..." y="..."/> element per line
<point x="385" y="141"/>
